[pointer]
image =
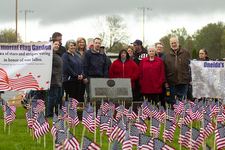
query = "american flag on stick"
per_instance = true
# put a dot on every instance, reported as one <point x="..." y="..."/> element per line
<point x="73" y="119"/>
<point x="160" y="145"/>
<point x="127" y="144"/>
<point x="196" y="139"/>
<point x="145" y="142"/>
<point x="89" y="145"/>
<point x="220" y="137"/>
<point x="10" y="114"/>
<point x="168" y="133"/>
<point x="185" y="135"/>
<point x="40" y="126"/>
<point x="70" y="141"/>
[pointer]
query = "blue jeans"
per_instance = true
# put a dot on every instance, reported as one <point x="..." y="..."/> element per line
<point x="54" y="100"/>
<point x="179" y="90"/>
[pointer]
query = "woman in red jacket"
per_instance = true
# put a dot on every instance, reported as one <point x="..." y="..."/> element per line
<point x="124" y="67"/>
<point x="152" y="76"/>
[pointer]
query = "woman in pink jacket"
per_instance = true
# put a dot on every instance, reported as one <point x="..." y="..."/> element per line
<point x="152" y="76"/>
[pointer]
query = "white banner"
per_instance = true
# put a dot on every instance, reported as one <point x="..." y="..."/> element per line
<point x="208" y="78"/>
<point x="25" y="66"/>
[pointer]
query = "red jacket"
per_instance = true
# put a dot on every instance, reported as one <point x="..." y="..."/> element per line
<point x="128" y="69"/>
<point x="152" y="75"/>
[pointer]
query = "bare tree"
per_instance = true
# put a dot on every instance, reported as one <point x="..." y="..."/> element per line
<point x="114" y="31"/>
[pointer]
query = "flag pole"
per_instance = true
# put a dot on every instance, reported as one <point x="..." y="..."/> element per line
<point x="53" y="138"/>
<point x="5" y="120"/>
<point x="44" y="136"/>
<point x="9" y="129"/>
<point x="82" y="138"/>
<point x="164" y="139"/>
<point x="101" y="134"/>
<point x="95" y="133"/>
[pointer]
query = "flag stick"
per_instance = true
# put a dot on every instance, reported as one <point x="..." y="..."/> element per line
<point x="191" y="137"/>
<point x="164" y="140"/>
<point x="44" y="136"/>
<point x="9" y="129"/>
<point x="203" y="142"/>
<point x="82" y="137"/>
<point x="181" y="129"/>
<point x="4" y="121"/>
<point x="101" y="134"/>
<point x="95" y="133"/>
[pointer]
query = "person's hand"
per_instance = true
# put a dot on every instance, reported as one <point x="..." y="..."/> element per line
<point x="80" y="77"/>
<point x="166" y="85"/>
<point x="85" y="81"/>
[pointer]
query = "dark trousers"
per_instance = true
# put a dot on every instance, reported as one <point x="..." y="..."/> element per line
<point x="72" y="89"/>
<point x="179" y="90"/>
<point x="54" y="100"/>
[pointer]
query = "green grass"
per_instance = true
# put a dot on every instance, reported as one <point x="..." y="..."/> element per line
<point x="21" y="139"/>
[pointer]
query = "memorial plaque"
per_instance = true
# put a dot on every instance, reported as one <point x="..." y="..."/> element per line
<point x="113" y="88"/>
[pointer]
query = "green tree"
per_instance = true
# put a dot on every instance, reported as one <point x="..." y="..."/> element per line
<point x="211" y="37"/>
<point x="185" y="40"/>
<point x="9" y="36"/>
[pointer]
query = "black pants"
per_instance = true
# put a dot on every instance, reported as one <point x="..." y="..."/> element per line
<point x="72" y="89"/>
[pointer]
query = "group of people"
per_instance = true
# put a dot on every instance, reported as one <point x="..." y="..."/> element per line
<point x="155" y="75"/>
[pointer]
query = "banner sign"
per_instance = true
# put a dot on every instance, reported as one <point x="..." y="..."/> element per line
<point x="208" y="78"/>
<point x="25" y="66"/>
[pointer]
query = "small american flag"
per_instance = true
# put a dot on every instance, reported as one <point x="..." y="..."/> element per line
<point x="160" y="145"/>
<point x="118" y="132"/>
<point x="186" y="119"/>
<point x="145" y="142"/>
<point x="89" y="145"/>
<point x="115" y="145"/>
<point x="127" y="144"/>
<point x="54" y="121"/>
<point x="73" y="103"/>
<point x="59" y="139"/>
<point x="104" y="107"/>
<point x="73" y="119"/>
<point x="207" y="129"/>
<point x="88" y="120"/>
<point x="220" y="137"/>
<point x="31" y="116"/>
<point x="171" y="115"/>
<point x="140" y="124"/>
<point x="131" y="114"/>
<point x="168" y="133"/>
<point x="104" y="123"/>
<point x="10" y="114"/>
<point x="112" y="125"/>
<point x="134" y="135"/>
<point x="71" y="142"/>
<point x="40" y="107"/>
<point x="121" y="110"/>
<point x="196" y="139"/>
<point x="221" y="116"/>
<point x="178" y="107"/>
<point x="40" y="126"/>
<point x="185" y="135"/>
<point x="155" y="127"/>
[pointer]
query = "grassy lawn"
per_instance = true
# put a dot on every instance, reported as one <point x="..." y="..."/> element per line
<point x="21" y="139"/>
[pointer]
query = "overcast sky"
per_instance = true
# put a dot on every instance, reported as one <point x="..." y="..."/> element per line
<point x="76" y="18"/>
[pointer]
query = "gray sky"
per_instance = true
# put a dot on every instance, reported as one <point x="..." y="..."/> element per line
<point x="52" y="13"/>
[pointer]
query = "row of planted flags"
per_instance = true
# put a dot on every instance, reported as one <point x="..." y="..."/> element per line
<point x="124" y="126"/>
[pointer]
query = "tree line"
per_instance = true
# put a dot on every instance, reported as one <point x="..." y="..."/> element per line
<point x="115" y="37"/>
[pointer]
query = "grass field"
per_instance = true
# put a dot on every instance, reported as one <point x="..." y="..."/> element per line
<point x="20" y="138"/>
